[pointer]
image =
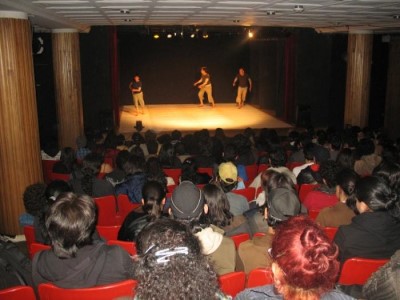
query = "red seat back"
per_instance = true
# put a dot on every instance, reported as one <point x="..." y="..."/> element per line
<point x="29" y="232"/>
<point x="232" y="283"/>
<point x="125" y="206"/>
<point x="48" y="291"/>
<point x="37" y="247"/>
<point x="304" y="189"/>
<point x="251" y="171"/>
<point x="240" y="238"/>
<point x="59" y="176"/>
<point x="108" y="232"/>
<point x="106" y="211"/>
<point x="209" y="171"/>
<point x="22" y="292"/>
<point x="249" y="193"/>
<point x="357" y="270"/>
<point x="47" y="166"/>
<point x="258" y="277"/>
<point x="175" y="174"/>
<point x="259" y="234"/>
<point x="130" y="247"/>
<point x="331" y="232"/>
<point x="313" y="214"/>
<point x="262" y="168"/>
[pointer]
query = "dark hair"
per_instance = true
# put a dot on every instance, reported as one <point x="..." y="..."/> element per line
<point x="328" y="170"/>
<point x="189" y="170"/>
<point x="122" y="158"/>
<point x="152" y="146"/>
<point x="90" y="169"/>
<point x="176" y="135"/>
<point x="277" y="156"/>
<point x="336" y="142"/>
<point x="55" y="188"/>
<point x="155" y="172"/>
<point x="309" y="151"/>
<point x="365" y="147"/>
<point x="68" y="158"/>
<point x="35" y="199"/>
<point x="271" y="179"/>
<point x="186" y="274"/>
<point x="230" y="152"/>
<point x="390" y="172"/>
<point x="377" y="195"/>
<point x="218" y="206"/>
<point x="346" y="179"/>
<point x="345" y="158"/>
<point x="153" y="194"/>
<point x="307" y="259"/>
<point x="133" y="165"/>
<point x="70" y="223"/>
<point x="167" y="154"/>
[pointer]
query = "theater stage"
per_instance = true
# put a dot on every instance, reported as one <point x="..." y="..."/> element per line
<point x="190" y="117"/>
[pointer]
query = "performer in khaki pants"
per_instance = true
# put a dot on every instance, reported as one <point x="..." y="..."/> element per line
<point x="204" y="84"/>
<point x="136" y="87"/>
<point x="244" y="85"/>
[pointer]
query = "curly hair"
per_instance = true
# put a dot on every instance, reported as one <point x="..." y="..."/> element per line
<point x="35" y="199"/>
<point x="183" y="275"/>
<point x="218" y="206"/>
<point x="328" y="171"/>
<point x="306" y="259"/>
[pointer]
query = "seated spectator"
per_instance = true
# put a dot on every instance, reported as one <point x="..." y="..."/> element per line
<point x="204" y="157"/>
<point x="228" y="180"/>
<point x="118" y="175"/>
<point x="86" y="181"/>
<point x="335" y="145"/>
<point x="34" y="202"/>
<point x="134" y="181"/>
<point x="325" y="194"/>
<point x="190" y="173"/>
<point x="375" y="232"/>
<point x="167" y="157"/>
<point x="53" y="190"/>
<point x="152" y="205"/>
<point x="171" y="265"/>
<point x="281" y="204"/>
<point x="343" y="211"/>
<point x="309" y="175"/>
<point x="188" y="206"/>
<point x="81" y="149"/>
<point x="155" y="172"/>
<point x="390" y="172"/>
<point x="230" y="154"/>
<point x="245" y="152"/>
<point x="384" y="283"/>
<point x="138" y="142"/>
<point x="309" y="156"/>
<point x="368" y="159"/>
<point x="67" y="163"/>
<point x="304" y="264"/>
<point x="345" y="159"/>
<point x="120" y="141"/>
<point x="75" y="260"/>
<point x="218" y="213"/>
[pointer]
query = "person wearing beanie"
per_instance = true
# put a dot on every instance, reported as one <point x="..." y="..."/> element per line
<point x="281" y="204"/>
<point x="228" y="180"/>
<point x="188" y="206"/>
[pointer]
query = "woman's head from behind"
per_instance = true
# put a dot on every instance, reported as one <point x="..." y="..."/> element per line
<point x="305" y="262"/>
<point x="170" y="262"/>
<point x="70" y="222"/>
<point x="346" y="183"/>
<point x="153" y="194"/>
<point x="374" y="194"/>
<point x="218" y="212"/>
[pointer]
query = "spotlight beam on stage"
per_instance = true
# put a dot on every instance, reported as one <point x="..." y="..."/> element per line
<point x="190" y="117"/>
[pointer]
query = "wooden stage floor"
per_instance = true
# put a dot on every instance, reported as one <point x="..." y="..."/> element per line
<point x="190" y="117"/>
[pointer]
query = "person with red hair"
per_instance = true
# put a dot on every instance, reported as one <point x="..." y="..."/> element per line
<point x="304" y="267"/>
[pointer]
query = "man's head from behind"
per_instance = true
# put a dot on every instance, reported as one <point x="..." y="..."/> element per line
<point x="187" y="202"/>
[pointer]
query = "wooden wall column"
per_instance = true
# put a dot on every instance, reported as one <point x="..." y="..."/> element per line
<point x="392" y="108"/>
<point x="20" y="163"/>
<point x="359" y="56"/>
<point x="67" y="82"/>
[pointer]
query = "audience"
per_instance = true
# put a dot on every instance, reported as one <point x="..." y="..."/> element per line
<point x="67" y="163"/>
<point x="368" y="160"/>
<point x="304" y="264"/>
<point x="190" y="173"/>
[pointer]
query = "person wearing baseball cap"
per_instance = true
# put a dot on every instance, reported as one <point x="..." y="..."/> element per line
<point x="188" y="206"/>
<point x="228" y="180"/>
<point x="282" y="203"/>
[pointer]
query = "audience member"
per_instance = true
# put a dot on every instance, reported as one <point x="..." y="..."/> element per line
<point x="81" y="149"/>
<point x="190" y="173"/>
<point x="34" y="202"/>
<point x="375" y="232"/>
<point x="188" y="206"/>
<point x="167" y="157"/>
<point x="345" y="159"/>
<point x="152" y="205"/>
<point x="67" y="163"/>
<point x="75" y="260"/>
<point x="368" y="160"/>
<point x="304" y="264"/>
<point x="171" y="266"/>
<point x="155" y="172"/>
<point x="342" y="212"/>
<point x="134" y="181"/>
<point x="118" y="175"/>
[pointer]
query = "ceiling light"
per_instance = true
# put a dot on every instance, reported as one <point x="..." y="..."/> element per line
<point x="271" y="12"/>
<point x="298" y="8"/>
<point x="250" y="34"/>
<point x="124" y="11"/>
<point x="236" y="21"/>
<point x="396" y="17"/>
<point x="128" y="20"/>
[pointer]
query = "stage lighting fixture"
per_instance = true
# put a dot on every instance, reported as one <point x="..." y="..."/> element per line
<point x="250" y="34"/>
<point x="205" y="35"/>
<point x="169" y="35"/>
<point x="193" y="35"/>
<point x="156" y="36"/>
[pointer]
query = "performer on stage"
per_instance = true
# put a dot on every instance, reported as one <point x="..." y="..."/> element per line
<point x="136" y="87"/>
<point x="204" y="84"/>
<point x="244" y="84"/>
